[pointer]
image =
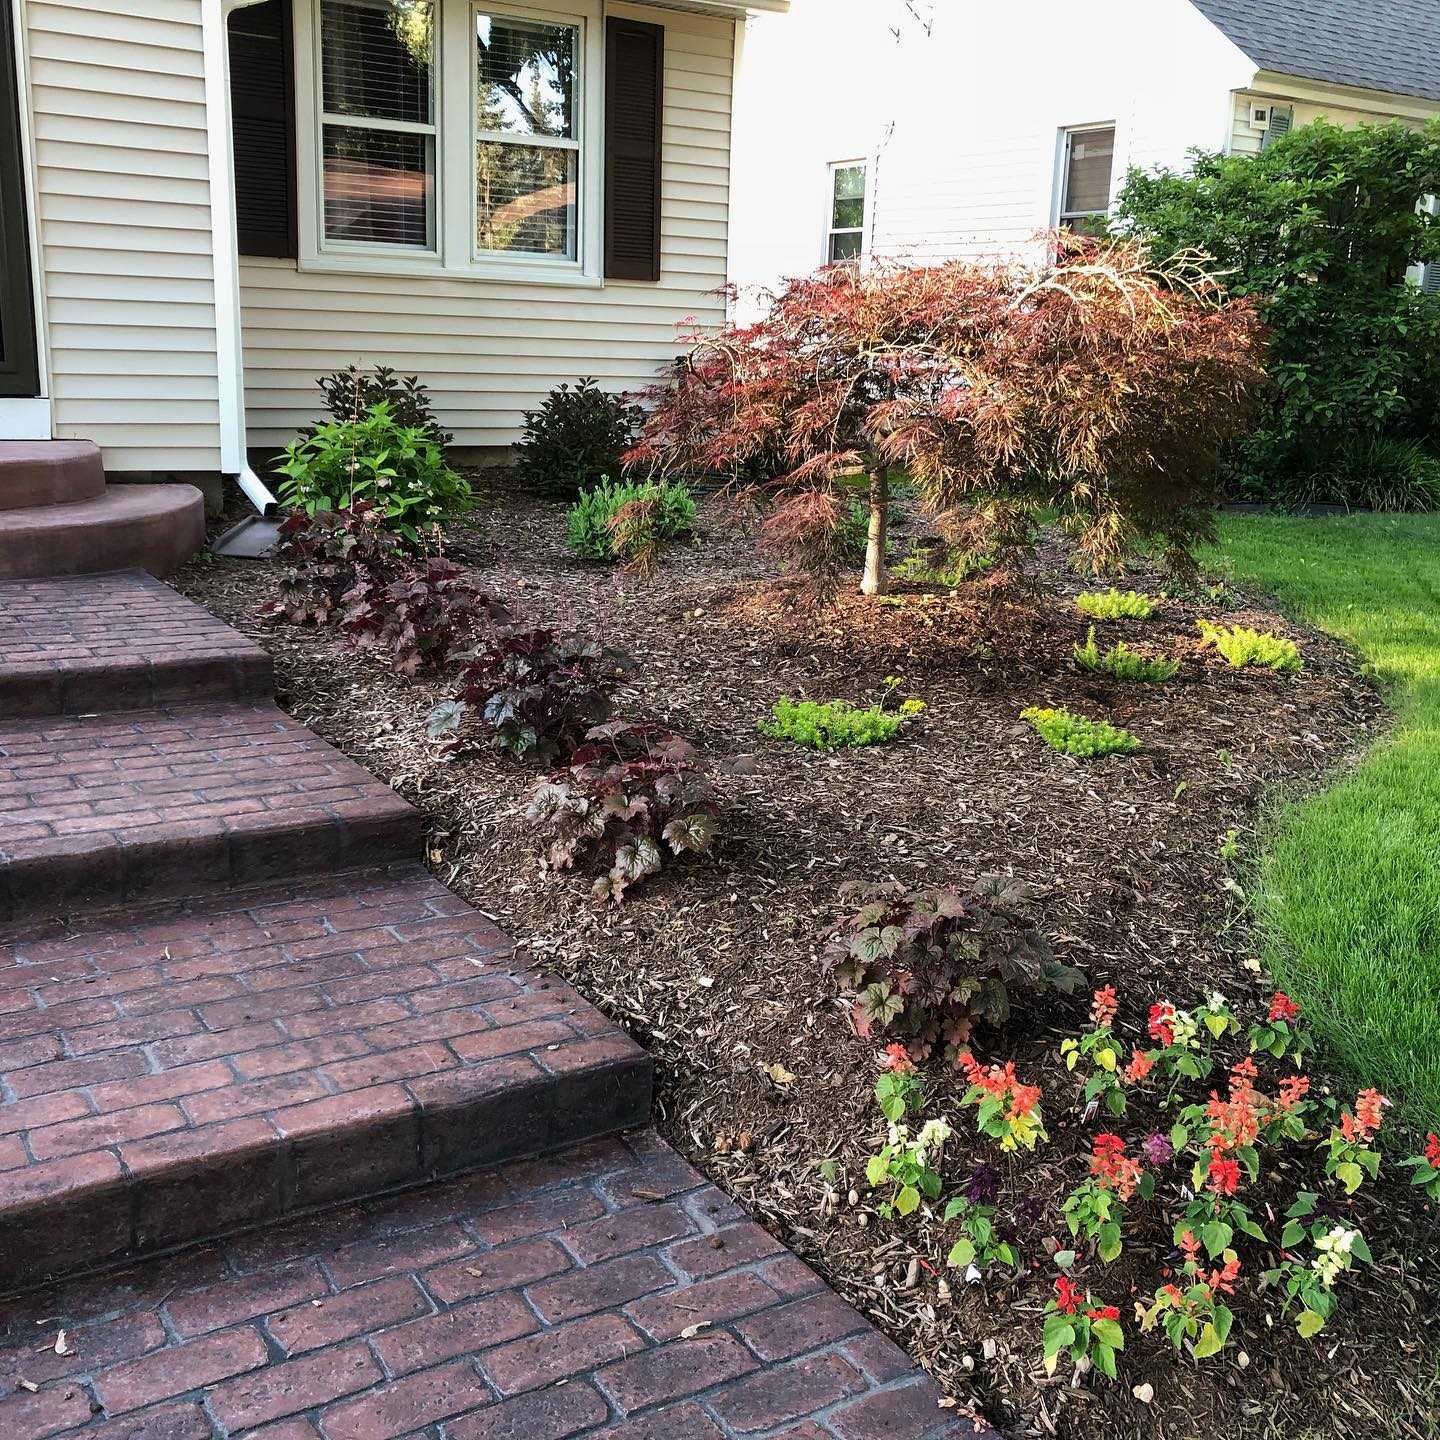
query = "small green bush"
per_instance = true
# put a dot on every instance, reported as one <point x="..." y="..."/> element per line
<point x="1075" y="735"/>
<point x="575" y="439"/>
<point x="835" y="724"/>
<point x="349" y="393"/>
<point x="1120" y="662"/>
<point x="1113" y="604"/>
<point x="398" y="470"/>
<point x="942" y="565"/>
<point x="1242" y="647"/>
<point x="1369" y="472"/>
<point x="628" y="521"/>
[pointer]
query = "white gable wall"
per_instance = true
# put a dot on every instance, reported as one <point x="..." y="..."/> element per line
<point x="123" y="213"/>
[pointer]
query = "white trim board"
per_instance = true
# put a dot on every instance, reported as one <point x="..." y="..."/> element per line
<point x="25" y="419"/>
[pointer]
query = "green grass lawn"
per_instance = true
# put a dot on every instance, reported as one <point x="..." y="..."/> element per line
<point x="1349" y="894"/>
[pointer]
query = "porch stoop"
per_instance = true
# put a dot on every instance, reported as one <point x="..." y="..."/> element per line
<point x="59" y="517"/>
<point x="244" y="1034"/>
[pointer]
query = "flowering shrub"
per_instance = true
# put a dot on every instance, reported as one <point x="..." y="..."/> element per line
<point x="1279" y="1034"/>
<point x="533" y="693"/>
<point x="421" y="617"/>
<point x="1099" y="1048"/>
<point x="1312" y="1286"/>
<point x="1089" y="1331"/>
<point x="1112" y="604"/>
<point x="1193" y="1318"/>
<point x="1349" y="1157"/>
<point x="1075" y="735"/>
<point x="1426" y="1166"/>
<point x="631" y="792"/>
<point x="904" y="1165"/>
<point x="1120" y="662"/>
<point x="926" y="965"/>
<point x="1241" y="647"/>
<point x="1005" y="1110"/>
<point x="1095" y="1209"/>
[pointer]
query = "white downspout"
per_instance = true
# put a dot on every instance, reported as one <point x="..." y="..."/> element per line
<point x="229" y="357"/>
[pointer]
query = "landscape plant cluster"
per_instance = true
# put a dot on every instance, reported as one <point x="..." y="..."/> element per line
<point x="629" y="521"/>
<point x="1207" y="1135"/>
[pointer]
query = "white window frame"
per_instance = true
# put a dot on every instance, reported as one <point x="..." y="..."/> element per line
<point x="862" y="163"/>
<point x="456" y="253"/>
<point x="1059" y="215"/>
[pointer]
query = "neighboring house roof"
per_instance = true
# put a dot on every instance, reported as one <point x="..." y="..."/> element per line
<point x="1390" y="45"/>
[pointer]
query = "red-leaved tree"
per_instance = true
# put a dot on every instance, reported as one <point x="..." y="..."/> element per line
<point x="1098" y="387"/>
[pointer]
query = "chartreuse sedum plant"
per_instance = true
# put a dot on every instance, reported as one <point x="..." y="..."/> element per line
<point x="1120" y="662"/>
<point x="1077" y="1323"/>
<point x="1095" y="1209"/>
<point x="1075" y="735"/>
<point x="838" y="725"/>
<point x="1113" y="604"/>
<point x="1240" y="647"/>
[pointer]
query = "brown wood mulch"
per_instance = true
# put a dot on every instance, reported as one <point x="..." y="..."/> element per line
<point x="714" y="964"/>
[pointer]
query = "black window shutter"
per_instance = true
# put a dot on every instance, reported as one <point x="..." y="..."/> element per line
<point x="634" y="118"/>
<point x="262" y="108"/>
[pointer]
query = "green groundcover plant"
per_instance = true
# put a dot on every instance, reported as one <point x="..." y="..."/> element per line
<point x="1120" y="662"/>
<point x="1073" y="734"/>
<point x="1241" y="647"/>
<point x="1113" y="604"/>
<point x="836" y="724"/>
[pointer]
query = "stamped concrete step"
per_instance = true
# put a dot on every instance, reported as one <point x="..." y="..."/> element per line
<point x="112" y="809"/>
<point x="607" y="1293"/>
<point x="122" y="641"/>
<point x="49" y="472"/>
<point x="206" y="1066"/>
<point x="153" y="527"/>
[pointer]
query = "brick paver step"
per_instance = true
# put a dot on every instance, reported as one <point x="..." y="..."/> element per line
<point x="124" y="807"/>
<point x="607" y="1293"/>
<point x="216" y="1064"/>
<point x="123" y="641"/>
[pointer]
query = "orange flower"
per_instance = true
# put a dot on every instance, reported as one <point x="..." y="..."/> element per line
<point x="1293" y="1089"/>
<point x="1142" y="1062"/>
<point x="1369" y="1107"/>
<point x="1113" y="1168"/>
<point x="1223" y="1176"/>
<point x="1234" y="1123"/>
<point x="897" y="1058"/>
<point x="1103" y="1008"/>
<point x="1242" y="1080"/>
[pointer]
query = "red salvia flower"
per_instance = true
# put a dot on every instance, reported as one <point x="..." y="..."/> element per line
<point x="1068" y="1298"/>
<point x="1432" y="1150"/>
<point x="1113" y="1168"/>
<point x="1162" y="1019"/>
<point x="1282" y="1007"/>
<point x="1222" y="1175"/>
<point x="1102" y="1312"/>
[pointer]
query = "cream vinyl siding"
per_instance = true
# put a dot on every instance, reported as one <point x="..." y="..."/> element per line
<point x="123" y="208"/>
<point x="1246" y="140"/>
<point x="489" y="350"/>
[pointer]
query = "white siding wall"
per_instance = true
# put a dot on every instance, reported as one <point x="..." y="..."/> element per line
<point x="123" y="205"/>
<point x="490" y="350"/>
<point x="1344" y="109"/>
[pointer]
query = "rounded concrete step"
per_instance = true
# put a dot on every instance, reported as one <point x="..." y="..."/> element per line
<point x="49" y="472"/>
<point x="146" y="527"/>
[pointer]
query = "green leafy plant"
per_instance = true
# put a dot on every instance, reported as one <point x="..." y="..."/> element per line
<point x="899" y="1092"/>
<point x="1113" y="604"/>
<point x="1075" y="735"/>
<point x="1193" y="1316"/>
<point x="576" y="438"/>
<point x="533" y="694"/>
<point x="1280" y="1033"/>
<point x="937" y="562"/>
<point x="1425" y="1167"/>
<point x="1368" y="472"/>
<point x="1311" y="1286"/>
<point x="351" y="392"/>
<point x="1120" y="662"/>
<point x="398" y="470"/>
<point x="832" y="724"/>
<point x="1095" y="1209"/>
<point x="926" y="965"/>
<point x="982" y="1241"/>
<point x="631" y="792"/>
<point x="1241" y="647"/>
<point x="1099" y="1050"/>
<point x="1074" y="1321"/>
<point x="1350" y="1159"/>
<point x="904" y="1167"/>
<point x="628" y="521"/>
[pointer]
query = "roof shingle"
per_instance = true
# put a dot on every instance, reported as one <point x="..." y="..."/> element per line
<point x="1390" y="45"/>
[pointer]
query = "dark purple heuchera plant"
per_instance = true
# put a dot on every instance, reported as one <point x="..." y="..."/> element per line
<point x="322" y="556"/>
<point x="631" y="793"/>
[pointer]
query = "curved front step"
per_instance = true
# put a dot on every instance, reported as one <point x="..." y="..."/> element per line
<point x="49" y="472"/>
<point x="147" y="527"/>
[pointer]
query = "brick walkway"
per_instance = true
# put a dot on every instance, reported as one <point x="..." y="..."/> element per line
<point x="254" y="1060"/>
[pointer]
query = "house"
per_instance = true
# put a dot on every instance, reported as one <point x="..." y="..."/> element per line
<point x="930" y="129"/>
<point x="206" y="204"/>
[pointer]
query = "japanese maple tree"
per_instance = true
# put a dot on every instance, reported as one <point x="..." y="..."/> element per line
<point x="1096" y="387"/>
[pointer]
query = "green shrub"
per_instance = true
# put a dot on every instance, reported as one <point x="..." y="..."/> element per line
<point x="941" y="564"/>
<point x="835" y="724"/>
<point x="1370" y="473"/>
<point x="1242" y="647"/>
<point x="398" y="470"/>
<point x="1120" y="662"/>
<point x="349" y="393"/>
<point x="1113" y="604"/>
<point x="628" y="521"/>
<point x="575" y="439"/>
<point x="1075" y="735"/>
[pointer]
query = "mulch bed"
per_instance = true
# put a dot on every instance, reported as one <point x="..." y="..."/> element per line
<point x="714" y="964"/>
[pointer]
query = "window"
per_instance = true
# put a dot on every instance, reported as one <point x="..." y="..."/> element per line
<point x="377" y="122"/>
<point x="846" y="231"/>
<point x="527" y="148"/>
<point x="1087" y="162"/>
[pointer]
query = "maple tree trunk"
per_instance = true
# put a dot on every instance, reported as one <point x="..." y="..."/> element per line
<point x="876" y="578"/>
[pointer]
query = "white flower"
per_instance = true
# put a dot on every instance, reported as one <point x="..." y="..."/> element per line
<point x="933" y="1134"/>
<point x="1334" y="1249"/>
<point x="1217" y="1001"/>
<point x="899" y="1136"/>
<point x="1184" y="1028"/>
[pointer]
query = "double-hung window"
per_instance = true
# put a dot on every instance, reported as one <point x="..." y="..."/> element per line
<point x="1087" y="164"/>
<point x="377" y="123"/>
<point x="845" y="237"/>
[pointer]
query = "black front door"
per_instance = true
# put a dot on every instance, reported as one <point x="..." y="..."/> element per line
<point x="19" y="368"/>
